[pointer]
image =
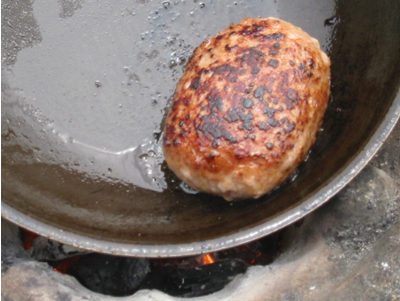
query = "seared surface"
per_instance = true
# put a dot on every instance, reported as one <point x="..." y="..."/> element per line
<point x="246" y="111"/>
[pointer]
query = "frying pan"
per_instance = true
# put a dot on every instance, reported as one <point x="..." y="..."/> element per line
<point x="85" y="88"/>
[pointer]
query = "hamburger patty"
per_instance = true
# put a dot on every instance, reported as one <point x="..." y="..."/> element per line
<point x="247" y="109"/>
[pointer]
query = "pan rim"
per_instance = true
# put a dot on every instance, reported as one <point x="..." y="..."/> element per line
<point x="320" y="197"/>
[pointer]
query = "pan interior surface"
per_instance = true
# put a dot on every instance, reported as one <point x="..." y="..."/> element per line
<point x="85" y="88"/>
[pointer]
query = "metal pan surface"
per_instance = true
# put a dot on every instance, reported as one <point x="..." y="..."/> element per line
<point x="85" y="86"/>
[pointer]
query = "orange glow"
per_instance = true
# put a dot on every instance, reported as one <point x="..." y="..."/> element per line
<point x="28" y="237"/>
<point x="66" y="264"/>
<point x="207" y="259"/>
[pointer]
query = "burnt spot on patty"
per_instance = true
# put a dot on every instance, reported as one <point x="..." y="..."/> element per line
<point x="247" y="103"/>
<point x="288" y="126"/>
<point x="214" y="129"/>
<point x="259" y="92"/>
<point x="195" y="83"/>
<point x="272" y="122"/>
<point x="232" y="115"/>
<point x="277" y="36"/>
<point x="269" y="111"/>
<point x="273" y="63"/>
<point x="252" y="57"/>
<point x="246" y="119"/>
<point x="252" y="30"/>
<point x="262" y="125"/>
<point x="214" y="100"/>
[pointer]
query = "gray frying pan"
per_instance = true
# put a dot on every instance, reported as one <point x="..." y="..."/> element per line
<point x="85" y="88"/>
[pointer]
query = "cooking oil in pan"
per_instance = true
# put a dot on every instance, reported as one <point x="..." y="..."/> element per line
<point x="90" y="82"/>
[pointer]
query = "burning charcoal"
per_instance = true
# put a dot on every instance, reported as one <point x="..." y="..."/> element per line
<point x="259" y="252"/>
<point x="194" y="281"/>
<point x="110" y="275"/>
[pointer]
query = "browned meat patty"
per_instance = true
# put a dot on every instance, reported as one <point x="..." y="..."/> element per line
<point x="247" y="109"/>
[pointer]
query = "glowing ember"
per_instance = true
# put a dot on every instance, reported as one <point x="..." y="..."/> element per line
<point x="64" y="265"/>
<point x="207" y="259"/>
<point x="28" y="237"/>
